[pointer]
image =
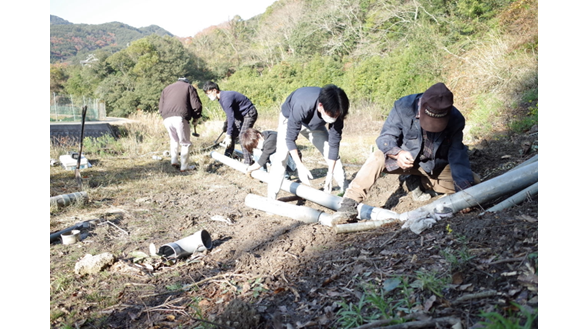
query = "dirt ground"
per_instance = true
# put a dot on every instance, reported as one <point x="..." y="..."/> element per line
<point x="269" y="271"/>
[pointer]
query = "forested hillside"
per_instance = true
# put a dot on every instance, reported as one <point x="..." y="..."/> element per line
<point x="376" y="50"/>
<point x="72" y="42"/>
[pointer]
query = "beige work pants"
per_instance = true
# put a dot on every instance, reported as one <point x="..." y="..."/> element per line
<point x="376" y="164"/>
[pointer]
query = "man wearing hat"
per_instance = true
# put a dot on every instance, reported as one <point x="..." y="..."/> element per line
<point x="423" y="138"/>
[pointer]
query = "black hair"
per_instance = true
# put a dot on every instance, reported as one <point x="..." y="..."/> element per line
<point x="209" y="85"/>
<point x="335" y="101"/>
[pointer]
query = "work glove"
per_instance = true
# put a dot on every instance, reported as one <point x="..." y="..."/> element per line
<point x="225" y="126"/>
<point x="304" y="174"/>
<point x="227" y="141"/>
<point x="328" y="186"/>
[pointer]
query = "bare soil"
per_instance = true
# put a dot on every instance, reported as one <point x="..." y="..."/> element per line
<point x="268" y="271"/>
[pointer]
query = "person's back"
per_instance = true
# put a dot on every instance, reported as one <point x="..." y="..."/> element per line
<point x="179" y="99"/>
<point x="179" y="103"/>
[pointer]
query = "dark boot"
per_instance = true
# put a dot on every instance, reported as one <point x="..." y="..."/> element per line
<point x="413" y="184"/>
<point x="347" y="212"/>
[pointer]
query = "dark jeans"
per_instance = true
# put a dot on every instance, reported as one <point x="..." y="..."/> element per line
<point x="239" y="129"/>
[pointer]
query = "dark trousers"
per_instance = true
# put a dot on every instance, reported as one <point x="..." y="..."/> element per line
<point x="239" y="129"/>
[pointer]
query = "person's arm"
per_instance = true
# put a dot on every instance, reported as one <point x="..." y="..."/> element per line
<point x="335" y="136"/>
<point x="293" y="130"/>
<point x="459" y="162"/>
<point x="226" y="105"/>
<point x="196" y="105"/>
<point x="251" y="168"/>
<point x="389" y="140"/>
<point x="392" y="136"/>
<point x="268" y="148"/>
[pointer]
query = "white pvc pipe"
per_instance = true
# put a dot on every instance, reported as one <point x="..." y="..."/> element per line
<point x="509" y="182"/>
<point x="319" y="197"/>
<point x="515" y="199"/>
<point x="304" y="214"/>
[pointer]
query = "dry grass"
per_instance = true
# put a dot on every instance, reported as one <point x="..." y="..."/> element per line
<point x="135" y="170"/>
<point x="489" y="76"/>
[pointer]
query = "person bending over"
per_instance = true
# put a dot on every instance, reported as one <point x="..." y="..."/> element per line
<point x="318" y="114"/>
<point x="240" y="115"/>
<point x="179" y="103"/>
<point x="262" y="145"/>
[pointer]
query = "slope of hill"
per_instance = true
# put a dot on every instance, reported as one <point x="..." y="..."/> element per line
<point x="72" y="42"/>
<point x="55" y="20"/>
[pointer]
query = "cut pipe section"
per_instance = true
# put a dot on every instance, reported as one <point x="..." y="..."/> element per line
<point x="319" y="197"/>
<point x="198" y="241"/>
<point x="67" y="199"/>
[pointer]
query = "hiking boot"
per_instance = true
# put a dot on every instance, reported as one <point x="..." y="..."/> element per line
<point x="347" y="212"/>
<point x="413" y="184"/>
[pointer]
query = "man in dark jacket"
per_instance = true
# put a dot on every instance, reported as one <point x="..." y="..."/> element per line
<point x="179" y="103"/>
<point x="318" y="114"/>
<point x="422" y="137"/>
<point x="240" y="112"/>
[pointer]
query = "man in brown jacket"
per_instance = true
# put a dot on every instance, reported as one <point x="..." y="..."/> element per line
<point x="179" y="103"/>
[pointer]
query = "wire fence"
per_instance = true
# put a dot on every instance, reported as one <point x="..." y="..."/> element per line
<point x="68" y="108"/>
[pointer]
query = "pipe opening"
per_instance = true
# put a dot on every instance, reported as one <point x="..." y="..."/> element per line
<point x="198" y="241"/>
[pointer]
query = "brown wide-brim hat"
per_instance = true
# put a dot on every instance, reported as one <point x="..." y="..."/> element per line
<point x="436" y="104"/>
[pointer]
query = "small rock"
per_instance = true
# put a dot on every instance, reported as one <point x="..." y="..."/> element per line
<point x="94" y="264"/>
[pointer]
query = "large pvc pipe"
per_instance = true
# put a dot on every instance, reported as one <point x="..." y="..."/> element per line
<point x="67" y="199"/>
<point x="515" y="199"/>
<point x="304" y="214"/>
<point x="319" y="197"/>
<point x="512" y="181"/>
<point x="476" y="195"/>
